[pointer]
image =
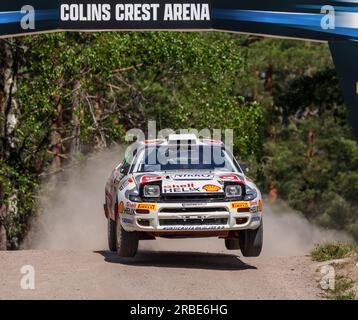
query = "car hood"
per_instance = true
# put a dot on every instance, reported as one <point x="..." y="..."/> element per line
<point x="190" y="182"/>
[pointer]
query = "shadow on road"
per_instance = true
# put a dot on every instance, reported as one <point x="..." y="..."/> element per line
<point x="188" y="260"/>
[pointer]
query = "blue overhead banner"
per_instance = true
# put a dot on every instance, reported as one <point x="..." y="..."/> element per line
<point x="332" y="21"/>
<point x="308" y="19"/>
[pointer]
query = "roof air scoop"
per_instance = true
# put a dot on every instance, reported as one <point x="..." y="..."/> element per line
<point x="182" y="139"/>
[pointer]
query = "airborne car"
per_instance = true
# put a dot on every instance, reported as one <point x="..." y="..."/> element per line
<point x="182" y="187"/>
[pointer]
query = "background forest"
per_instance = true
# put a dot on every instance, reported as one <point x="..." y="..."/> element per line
<point x="66" y="95"/>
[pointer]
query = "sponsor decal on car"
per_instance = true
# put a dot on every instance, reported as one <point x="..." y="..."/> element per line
<point x="131" y="205"/>
<point x="146" y="179"/>
<point x="147" y="206"/>
<point x="194" y="204"/>
<point x="193" y="176"/>
<point x="127" y="221"/>
<point x="254" y="209"/>
<point x="240" y="205"/>
<point x="230" y="177"/>
<point x="181" y="188"/>
<point x="193" y="228"/>
<point x="123" y="185"/>
<point x="129" y="211"/>
<point x="255" y="218"/>
<point x="211" y="188"/>
<point x="191" y="187"/>
<point x="253" y="203"/>
<point x="130" y="208"/>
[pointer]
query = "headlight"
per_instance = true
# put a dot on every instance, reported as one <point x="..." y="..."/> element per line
<point x="233" y="190"/>
<point x="251" y="194"/>
<point x="151" y="191"/>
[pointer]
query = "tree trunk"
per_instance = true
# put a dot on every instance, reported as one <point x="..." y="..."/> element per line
<point x="76" y="143"/>
<point x="99" y="109"/>
<point x="269" y="79"/>
<point x="310" y="150"/>
<point x="273" y="193"/>
<point x="9" y="113"/>
<point x="57" y="130"/>
<point x="2" y="147"/>
<point x="3" y="240"/>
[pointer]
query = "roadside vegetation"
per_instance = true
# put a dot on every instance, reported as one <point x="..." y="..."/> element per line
<point x="65" y="95"/>
<point x="344" y="259"/>
<point x="344" y="289"/>
<point x="331" y="251"/>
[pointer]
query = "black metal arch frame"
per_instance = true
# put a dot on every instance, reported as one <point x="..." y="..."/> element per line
<point x="333" y="21"/>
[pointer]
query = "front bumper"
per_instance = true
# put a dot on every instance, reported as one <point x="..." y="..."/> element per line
<point x="193" y="217"/>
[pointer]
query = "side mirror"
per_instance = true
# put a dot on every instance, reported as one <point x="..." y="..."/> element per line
<point x="244" y="168"/>
<point x="124" y="169"/>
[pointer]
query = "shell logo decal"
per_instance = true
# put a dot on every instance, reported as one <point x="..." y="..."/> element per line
<point x="211" y="188"/>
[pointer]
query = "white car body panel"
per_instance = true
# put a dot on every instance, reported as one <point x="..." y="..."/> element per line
<point x="190" y="202"/>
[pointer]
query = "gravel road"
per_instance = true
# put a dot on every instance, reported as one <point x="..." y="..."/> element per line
<point x="67" y="247"/>
<point x="164" y="269"/>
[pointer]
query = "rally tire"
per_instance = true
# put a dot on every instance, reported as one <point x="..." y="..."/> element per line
<point x="112" y="235"/>
<point x="127" y="242"/>
<point x="251" y="241"/>
<point x="232" y="244"/>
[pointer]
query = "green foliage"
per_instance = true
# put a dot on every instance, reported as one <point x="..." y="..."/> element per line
<point x="344" y="289"/>
<point x="102" y="84"/>
<point x="321" y="184"/>
<point x="178" y="79"/>
<point x="18" y="188"/>
<point x="310" y="154"/>
<point x="330" y="251"/>
<point x="280" y="97"/>
<point x="343" y="284"/>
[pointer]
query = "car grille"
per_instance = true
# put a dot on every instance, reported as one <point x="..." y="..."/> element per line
<point x="193" y="222"/>
<point x="194" y="210"/>
<point x="206" y="197"/>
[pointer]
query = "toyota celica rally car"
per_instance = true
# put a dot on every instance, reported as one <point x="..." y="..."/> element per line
<point x="182" y="187"/>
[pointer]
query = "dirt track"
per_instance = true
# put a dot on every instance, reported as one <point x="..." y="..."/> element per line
<point x="164" y="269"/>
<point x="154" y="274"/>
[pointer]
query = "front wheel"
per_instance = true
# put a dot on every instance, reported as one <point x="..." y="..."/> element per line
<point x="251" y="241"/>
<point x="127" y="242"/>
<point x="232" y="244"/>
<point x="112" y="235"/>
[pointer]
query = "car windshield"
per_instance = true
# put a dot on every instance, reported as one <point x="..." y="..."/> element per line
<point x="173" y="158"/>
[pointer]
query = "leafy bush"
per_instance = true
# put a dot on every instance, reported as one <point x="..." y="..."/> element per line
<point x="344" y="289"/>
<point x="330" y="251"/>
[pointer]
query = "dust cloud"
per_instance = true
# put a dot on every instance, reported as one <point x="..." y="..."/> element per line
<point x="72" y="218"/>
<point x="71" y="206"/>
<point x="287" y="232"/>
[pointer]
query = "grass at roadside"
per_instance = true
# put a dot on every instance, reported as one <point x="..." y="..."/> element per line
<point x="345" y="271"/>
<point x="330" y="251"/>
<point x="344" y="289"/>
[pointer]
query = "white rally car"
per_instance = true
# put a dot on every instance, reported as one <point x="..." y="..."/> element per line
<point x="182" y="187"/>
